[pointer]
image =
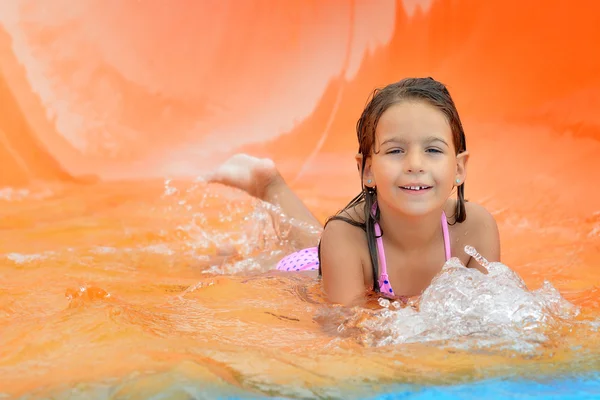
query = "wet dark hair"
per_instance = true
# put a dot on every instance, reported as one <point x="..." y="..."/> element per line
<point x="410" y="89"/>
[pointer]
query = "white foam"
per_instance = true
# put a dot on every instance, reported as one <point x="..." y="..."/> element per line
<point x="461" y="304"/>
<point x="24" y="258"/>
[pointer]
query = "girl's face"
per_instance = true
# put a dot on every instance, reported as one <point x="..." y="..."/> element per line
<point x="414" y="163"/>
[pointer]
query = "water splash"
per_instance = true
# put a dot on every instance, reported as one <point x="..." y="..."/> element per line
<point x="470" y="250"/>
<point x="224" y="229"/>
<point x="464" y="307"/>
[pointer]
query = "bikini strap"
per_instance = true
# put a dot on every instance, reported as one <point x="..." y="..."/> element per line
<point x="446" y="236"/>
<point x="380" y="251"/>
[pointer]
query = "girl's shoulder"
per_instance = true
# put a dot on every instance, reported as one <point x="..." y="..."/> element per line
<point x="353" y="216"/>
<point x="478" y="220"/>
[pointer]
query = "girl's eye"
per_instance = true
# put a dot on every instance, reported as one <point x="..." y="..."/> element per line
<point x="433" y="150"/>
<point x="394" y="151"/>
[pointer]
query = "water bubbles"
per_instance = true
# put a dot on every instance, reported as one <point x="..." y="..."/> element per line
<point x="387" y="303"/>
<point x="463" y="305"/>
<point x="169" y="190"/>
<point x="383" y="302"/>
<point x="470" y="250"/>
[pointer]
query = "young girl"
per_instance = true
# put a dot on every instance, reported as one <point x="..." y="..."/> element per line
<point x="398" y="232"/>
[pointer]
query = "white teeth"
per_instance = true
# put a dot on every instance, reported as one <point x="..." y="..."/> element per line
<point x="415" y="187"/>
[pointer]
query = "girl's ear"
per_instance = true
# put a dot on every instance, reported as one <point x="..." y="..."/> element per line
<point x="461" y="168"/>
<point x="366" y="174"/>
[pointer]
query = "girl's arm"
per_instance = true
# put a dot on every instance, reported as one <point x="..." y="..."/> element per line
<point x="341" y="265"/>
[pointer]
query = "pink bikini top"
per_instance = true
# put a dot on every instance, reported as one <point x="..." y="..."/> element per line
<point x="384" y="282"/>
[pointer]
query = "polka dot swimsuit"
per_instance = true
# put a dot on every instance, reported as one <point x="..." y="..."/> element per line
<point x="303" y="260"/>
<point x="308" y="259"/>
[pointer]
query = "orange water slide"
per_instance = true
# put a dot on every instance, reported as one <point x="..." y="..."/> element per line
<point x="23" y="157"/>
<point x="154" y="88"/>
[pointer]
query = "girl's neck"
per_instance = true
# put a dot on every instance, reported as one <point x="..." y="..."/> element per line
<point x="410" y="233"/>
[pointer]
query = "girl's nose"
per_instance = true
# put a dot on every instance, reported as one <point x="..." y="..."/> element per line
<point x="414" y="162"/>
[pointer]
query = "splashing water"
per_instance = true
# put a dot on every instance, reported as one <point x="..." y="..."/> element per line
<point x="470" y="250"/>
<point x="227" y="229"/>
<point x="466" y="308"/>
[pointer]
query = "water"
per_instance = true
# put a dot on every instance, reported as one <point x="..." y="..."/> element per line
<point x="166" y="289"/>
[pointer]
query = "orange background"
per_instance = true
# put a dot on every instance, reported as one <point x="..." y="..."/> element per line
<point x="152" y="87"/>
<point x="96" y="93"/>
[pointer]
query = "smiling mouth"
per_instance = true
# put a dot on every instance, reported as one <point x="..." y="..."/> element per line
<point x="415" y="188"/>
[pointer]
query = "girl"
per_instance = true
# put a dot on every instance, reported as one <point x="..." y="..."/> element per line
<point x="397" y="233"/>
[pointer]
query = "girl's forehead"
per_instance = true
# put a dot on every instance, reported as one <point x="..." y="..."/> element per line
<point x="411" y="120"/>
